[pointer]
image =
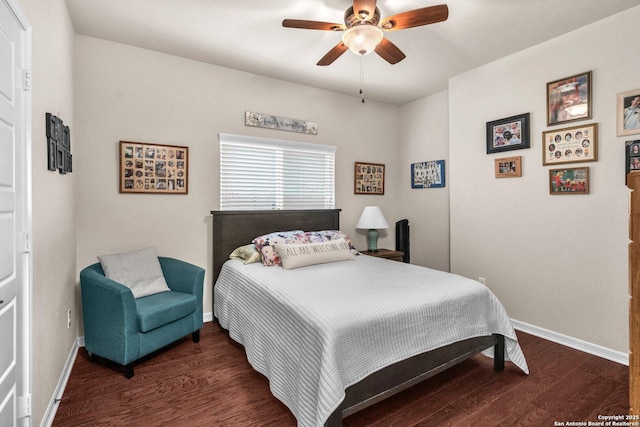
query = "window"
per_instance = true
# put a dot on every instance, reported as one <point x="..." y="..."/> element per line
<point x="260" y="173"/>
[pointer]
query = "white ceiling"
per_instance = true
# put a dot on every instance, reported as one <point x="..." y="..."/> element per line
<point x="248" y="35"/>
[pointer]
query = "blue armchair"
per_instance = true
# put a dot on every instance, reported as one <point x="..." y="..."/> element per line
<point x="122" y="329"/>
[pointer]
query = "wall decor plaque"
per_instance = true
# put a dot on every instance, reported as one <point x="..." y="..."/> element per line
<point x="58" y="145"/>
<point x="280" y="123"/>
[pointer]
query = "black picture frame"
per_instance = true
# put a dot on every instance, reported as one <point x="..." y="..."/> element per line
<point x="510" y="133"/>
<point x="631" y="157"/>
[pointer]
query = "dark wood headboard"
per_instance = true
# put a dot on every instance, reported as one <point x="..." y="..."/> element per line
<point x="236" y="228"/>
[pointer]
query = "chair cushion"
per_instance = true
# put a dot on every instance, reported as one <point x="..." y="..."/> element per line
<point x="159" y="309"/>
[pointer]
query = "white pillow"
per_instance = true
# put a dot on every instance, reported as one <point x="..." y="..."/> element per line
<point x="301" y="255"/>
<point x="139" y="271"/>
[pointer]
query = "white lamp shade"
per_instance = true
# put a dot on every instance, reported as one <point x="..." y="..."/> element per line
<point x="372" y="217"/>
<point x="362" y="39"/>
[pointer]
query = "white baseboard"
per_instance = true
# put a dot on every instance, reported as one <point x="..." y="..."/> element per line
<point x="52" y="408"/>
<point x="575" y="343"/>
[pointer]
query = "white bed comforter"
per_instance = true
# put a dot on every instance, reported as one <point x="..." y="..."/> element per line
<point x="316" y="330"/>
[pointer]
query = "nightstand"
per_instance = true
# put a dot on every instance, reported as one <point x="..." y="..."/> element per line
<point x="386" y="253"/>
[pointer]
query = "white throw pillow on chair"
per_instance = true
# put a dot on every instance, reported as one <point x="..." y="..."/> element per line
<point x="139" y="271"/>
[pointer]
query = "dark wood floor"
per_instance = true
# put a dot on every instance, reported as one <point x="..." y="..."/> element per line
<point x="212" y="384"/>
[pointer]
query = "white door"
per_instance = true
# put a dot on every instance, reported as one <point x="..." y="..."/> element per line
<point x="14" y="217"/>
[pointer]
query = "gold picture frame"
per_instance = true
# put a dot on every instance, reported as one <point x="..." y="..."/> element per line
<point x="508" y="167"/>
<point x="575" y="144"/>
<point x="368" y="178"/>
<point x="153" y="168"/>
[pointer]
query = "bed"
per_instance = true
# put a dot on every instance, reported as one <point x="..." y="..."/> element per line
<point x="341" y="386"/>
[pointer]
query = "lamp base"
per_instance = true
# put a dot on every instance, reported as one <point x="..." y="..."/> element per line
<point x="372" y="240"/>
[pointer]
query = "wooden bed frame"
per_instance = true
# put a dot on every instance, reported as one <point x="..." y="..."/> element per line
<point x="236" y="228"/>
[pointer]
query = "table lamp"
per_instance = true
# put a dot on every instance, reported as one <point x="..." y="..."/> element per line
<point x="372" y="220"/>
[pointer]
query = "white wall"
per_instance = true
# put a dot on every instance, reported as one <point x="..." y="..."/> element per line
<point x="424" y="130"/>
<point x="54" y="232"/>
<point x="132" y="94"/>
<point x="557" y="262"/>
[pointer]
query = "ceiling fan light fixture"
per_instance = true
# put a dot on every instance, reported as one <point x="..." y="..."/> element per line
<point x="362" y="39"/>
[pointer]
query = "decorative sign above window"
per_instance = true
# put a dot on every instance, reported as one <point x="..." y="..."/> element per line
<point x="58" y="145"/>
<point x="280" y="123"/>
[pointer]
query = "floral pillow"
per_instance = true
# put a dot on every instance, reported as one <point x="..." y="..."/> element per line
<point x="264" y="244"/>
<point x="327" y="235"/>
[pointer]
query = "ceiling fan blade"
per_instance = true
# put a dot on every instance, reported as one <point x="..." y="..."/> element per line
<point x="364" y="8"/>
<point x="416" y="18"/>
<point x="389" y="52"/>
<point x="333" y="54"/>
<point x="312" y="25"/>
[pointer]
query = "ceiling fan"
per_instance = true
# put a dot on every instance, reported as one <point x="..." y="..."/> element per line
<point x="364" y="31"/>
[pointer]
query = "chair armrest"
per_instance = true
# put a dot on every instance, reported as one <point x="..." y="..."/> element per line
<point x="182" y="276"/>
<point x="110" y="316"/>
<point x="188" y="278"/>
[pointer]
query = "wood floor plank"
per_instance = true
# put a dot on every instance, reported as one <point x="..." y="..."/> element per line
<point x="211" y="383"/>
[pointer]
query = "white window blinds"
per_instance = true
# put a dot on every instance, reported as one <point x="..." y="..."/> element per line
<point x="260" y="173"/>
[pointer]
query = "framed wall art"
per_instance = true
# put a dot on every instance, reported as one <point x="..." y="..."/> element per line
<point x="368" y="178"/>
<point x="511" y="133"/>
<point x="569" y="181"/>
<point x="628" y="115"/>
<point x="153" y="168"/>
<point x="570" y="145"/>
<point x="58" y="145"/>
<point x="569" y="99"/>
<point x="427" y="174"/>
<point x="508" y="167"/>
<point x="632" y="157"/>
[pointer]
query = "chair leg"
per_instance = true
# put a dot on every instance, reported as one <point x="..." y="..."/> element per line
<point x="196" y="336"/>
<point x="128" y="371"/>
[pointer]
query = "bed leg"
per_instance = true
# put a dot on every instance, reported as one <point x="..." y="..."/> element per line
<point x="498" y="358"/>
